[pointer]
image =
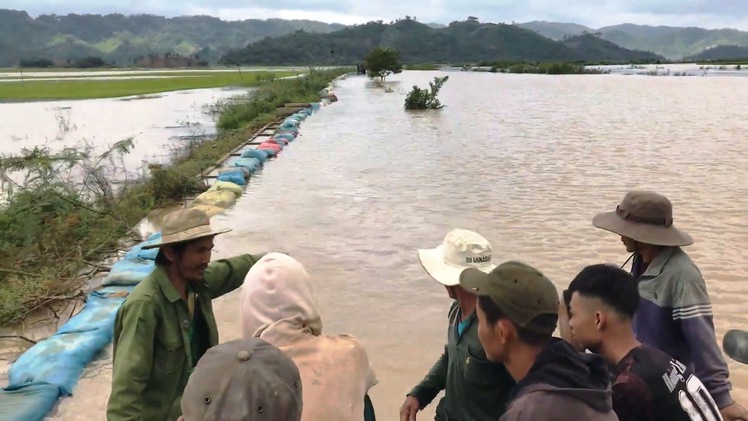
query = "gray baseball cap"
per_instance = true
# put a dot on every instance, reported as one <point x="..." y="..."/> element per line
<point x="243" y="380"/>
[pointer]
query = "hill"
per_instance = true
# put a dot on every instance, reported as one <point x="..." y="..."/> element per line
<point x="592" y="48"/>
<point x="672" y="42"/>
<point x="460" y="42"/>
<point x="122" y="39"/>
<point x="721" y="53"/>
<point x="556" y="30"/>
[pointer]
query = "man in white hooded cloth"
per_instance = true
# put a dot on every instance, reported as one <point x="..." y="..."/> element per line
<point x="277" y="305"/>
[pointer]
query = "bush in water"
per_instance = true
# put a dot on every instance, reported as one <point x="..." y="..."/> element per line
<point x="426" y="99"/>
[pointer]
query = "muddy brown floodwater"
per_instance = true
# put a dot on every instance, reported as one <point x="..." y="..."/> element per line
<point x="526" y="160"/>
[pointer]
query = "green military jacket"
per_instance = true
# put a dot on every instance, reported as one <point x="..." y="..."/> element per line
<point x="475" y="388"/>
<point x="152" y="347"/>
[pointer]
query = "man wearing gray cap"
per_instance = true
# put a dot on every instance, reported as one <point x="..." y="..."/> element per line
<point x="243" y="380"/>
<point x="167" y="323"/>
<point x="675" y="315"/>
<point x="517" y="313"/>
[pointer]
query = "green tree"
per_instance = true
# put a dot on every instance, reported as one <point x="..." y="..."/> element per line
<point x="383" y="62"/>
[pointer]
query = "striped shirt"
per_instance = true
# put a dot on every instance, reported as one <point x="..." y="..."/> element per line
<point x="676" y="317"/>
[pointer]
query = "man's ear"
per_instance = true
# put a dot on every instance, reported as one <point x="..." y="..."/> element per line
<point x="601" y="320"/>
<point x="504" y="330"/>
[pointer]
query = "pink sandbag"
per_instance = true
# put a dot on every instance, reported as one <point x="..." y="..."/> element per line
<point x="270" y="146"/>
<point x="278" y="141"/>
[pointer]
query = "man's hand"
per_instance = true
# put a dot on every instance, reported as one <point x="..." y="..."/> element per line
<point x="409" y="409"/>
<point x="734" y="412"/>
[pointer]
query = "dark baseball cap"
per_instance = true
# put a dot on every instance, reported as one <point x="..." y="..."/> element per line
<point x="520" y="291"/>
<point x="243" y="380"/>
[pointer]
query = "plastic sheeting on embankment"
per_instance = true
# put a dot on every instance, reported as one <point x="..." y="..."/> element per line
<point x="51" y="368"/>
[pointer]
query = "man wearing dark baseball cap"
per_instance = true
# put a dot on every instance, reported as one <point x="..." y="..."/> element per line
<point x="243" y="380"/>
<point x="517" y="314"/>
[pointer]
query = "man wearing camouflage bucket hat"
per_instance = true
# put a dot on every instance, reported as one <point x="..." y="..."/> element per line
<point x="167" y="323"/>
<point x="675" y="314"/>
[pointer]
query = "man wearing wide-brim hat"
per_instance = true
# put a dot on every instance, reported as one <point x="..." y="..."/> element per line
<point x="475" y="389"/>
<point x="675" y="315"/>
<point x="167" y="323"/>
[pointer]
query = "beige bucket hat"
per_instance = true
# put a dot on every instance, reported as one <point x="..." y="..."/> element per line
<point x="646" y="217"/>
<point x="185" y="225"/>
<point x="460" y="250"/>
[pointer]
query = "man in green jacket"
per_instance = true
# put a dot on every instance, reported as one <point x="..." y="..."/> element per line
<point x="167" y="323"/>
<point x="475" y="388"/>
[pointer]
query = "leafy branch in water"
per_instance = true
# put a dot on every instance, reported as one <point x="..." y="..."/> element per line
<point x="426" y="99"/>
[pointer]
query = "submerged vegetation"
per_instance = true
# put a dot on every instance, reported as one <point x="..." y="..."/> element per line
<point x="62" y="213"/>
<point x="125" y="85"/>
<point x="426" y="99"/>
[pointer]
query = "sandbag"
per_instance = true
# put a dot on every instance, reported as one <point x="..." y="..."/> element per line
<point x="29" y="402"/>
<point x="291" y="121"/>
<point x="262" y="156"/>
<point x="288" y="137"/>
<point x="222" y="199"/>
<point x="270" y="146"/>
<point x="295" y="134"/>
<point x="299" y="116"/>
<point x="316" y="106"/>
<point x="236" y="177"/>
<point x="60" y="359"/>
<point x="228" y="168"/>
<point x="129" y="271"/>
<point x="229" y="186"/>
<point x="280" y="142"/>
<point x="252" y="164"/>
<point x="289" y="130"/>
<point x="209" y="210"/>
<point x="307" y="111"/>
<point x="271" y="152"/>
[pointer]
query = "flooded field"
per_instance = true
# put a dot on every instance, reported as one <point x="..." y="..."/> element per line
<point x="159" y="124"/>
<point x="526" y="160"/>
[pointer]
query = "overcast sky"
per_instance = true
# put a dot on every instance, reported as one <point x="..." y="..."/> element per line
<point x="594" y="13"/>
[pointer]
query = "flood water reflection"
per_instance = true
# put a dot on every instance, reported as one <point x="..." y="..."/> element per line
<point x="526" y="160"/>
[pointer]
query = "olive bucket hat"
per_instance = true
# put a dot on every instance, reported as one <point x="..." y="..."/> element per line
<point x="646" y="217"/>
<point x="185" y="225"/>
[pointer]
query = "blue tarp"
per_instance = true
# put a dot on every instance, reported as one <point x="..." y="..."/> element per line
<point x="262" y="156"/>
<point x="60" y="359"/>
<point x="28" y="403"/>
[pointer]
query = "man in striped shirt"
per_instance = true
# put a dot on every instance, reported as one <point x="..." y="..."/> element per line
<point x="675" y="315"/>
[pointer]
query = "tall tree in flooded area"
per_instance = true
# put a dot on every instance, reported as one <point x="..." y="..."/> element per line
<point x="383" y="62"/>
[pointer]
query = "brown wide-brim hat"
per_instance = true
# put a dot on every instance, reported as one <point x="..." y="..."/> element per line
<point x="646" y="217"/>
<point x="185" y="225"/>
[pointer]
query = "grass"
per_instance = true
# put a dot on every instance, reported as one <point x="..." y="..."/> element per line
<point x="54" y="228"/>
<point x="421" y="66"/>
<point x="111" y="88"/>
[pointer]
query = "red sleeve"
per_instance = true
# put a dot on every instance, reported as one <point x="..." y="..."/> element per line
<point x="632" y="399"/>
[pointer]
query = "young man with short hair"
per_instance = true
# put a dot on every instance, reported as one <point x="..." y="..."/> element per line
<point x="650" y="385"/>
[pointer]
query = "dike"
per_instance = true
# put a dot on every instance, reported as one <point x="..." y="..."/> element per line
<point x="51" y="368"/>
